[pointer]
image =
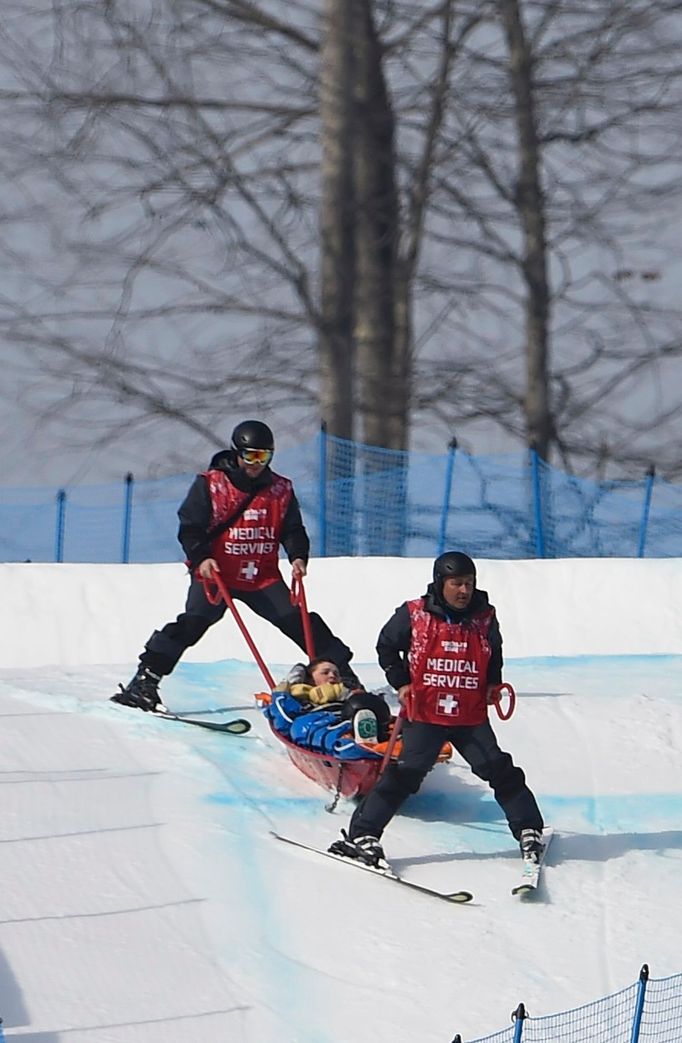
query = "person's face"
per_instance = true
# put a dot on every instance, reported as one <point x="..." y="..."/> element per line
<point x="458" y="591"/>
<point x="325" y="673"/>
<point x="253" y="461"/>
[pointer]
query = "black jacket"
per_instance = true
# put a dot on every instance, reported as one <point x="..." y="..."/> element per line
<point x="395" y="638"/>
<point x="195" y="512"/>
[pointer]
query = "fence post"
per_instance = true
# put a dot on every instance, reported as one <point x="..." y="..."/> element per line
<point x="639" y="1008"/>
<point x="452" y="447"/>
<point x="537" y="504"/>
<point x="322" y="498"/>
<point x="648" y="492"/>
<point x="59" y="535"/>
<point x="519" y="1016"/>
<point x="127" y="517"/>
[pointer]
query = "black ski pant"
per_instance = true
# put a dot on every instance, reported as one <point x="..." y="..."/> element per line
<point x="421" y="745"/>
<point x="165" y="647"/>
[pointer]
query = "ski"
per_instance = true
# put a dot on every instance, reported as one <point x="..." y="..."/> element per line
<point x="454" y="897"/>
<point x="237" y="726"/>
<point x="532" y="871"/>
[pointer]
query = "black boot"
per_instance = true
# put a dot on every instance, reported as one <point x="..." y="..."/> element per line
<point x="142" y="692"/>
<point x="531" y="845"/>
<point x="365" y="849"/>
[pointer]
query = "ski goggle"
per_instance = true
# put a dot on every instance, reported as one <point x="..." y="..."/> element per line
<point x="256" y="456"/>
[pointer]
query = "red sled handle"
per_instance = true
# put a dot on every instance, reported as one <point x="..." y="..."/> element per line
<point x="298" y="598"/>
<point x="498" y="692"/>
<point x="405" y="713"/>
<point x="216" y="591"/>
<point x="395" y="734"/>
<point x="211" y="589"/>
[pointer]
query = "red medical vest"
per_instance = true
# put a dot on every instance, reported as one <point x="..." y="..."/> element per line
<point x="248" y="552"/>
<point x="449" y="666"/>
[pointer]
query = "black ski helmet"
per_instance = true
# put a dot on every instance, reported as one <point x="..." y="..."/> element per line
<point x="252" y="434"/>
<point x="452" y="563"/>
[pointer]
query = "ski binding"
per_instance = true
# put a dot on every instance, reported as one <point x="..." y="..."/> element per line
<point x="530" y="877"/>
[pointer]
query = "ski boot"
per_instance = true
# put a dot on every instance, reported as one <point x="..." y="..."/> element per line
<point x="142" y="692"/>
<point x="362" y="849"/>
<point x="531" y="845"/>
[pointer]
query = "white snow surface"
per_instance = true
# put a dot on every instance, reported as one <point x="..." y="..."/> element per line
<point x="145" y="901"/>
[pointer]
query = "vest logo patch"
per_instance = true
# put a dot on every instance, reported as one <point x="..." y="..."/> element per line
<point x="454" y="646"/>
<point x="249" y="570"/>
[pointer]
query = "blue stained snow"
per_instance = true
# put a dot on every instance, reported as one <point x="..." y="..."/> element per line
<point x="599" y="662"/>
<point x="254" y="795"/>
<point x="478" y="826"/>
<point x="456" y="814"/>
<point x="464" y="817"/>
<point x="658" y="676"/>
<point x="587" y="675"/>
<point x="301" y="806"/>
<point x="479" y="823"/>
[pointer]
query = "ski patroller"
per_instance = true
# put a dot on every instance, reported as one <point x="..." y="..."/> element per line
<point x="531" y="874"/>
<point x="454" y="897"/>
<point x="237" y="726"/>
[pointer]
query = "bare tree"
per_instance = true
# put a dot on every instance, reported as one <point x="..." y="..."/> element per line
<point x="428" y="210"/>
<point x="531" y="209"/>
<point x="560" y="159"/>
<point x="175" y="211"/>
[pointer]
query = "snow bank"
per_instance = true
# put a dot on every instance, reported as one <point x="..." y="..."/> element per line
<point x="67" y="615"/>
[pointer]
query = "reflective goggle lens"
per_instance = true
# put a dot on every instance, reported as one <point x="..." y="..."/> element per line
<point x="256" y="456"/>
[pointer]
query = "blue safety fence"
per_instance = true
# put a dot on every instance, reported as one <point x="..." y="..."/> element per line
<point x="360" y="500"/>
<point x="649" y="1011"/>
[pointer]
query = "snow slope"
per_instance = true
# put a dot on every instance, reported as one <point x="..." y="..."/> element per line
<point x="144" y="900"/>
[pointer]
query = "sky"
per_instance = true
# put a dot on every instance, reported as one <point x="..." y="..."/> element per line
<point x="145" y="901"/>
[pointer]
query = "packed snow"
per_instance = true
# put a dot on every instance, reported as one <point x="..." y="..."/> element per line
<point x="145" y="900"/>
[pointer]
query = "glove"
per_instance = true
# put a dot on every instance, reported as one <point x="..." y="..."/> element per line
<point x="301" y="691"/>
<point x="326" y="693"/>
<point x="296" y="675"/>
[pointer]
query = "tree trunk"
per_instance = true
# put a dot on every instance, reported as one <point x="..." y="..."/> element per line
<point x="384" y="491"/>
<point x="530" y="204"/>
<point x="337" y="262"/>
<point x="376" y="232"/>
<point x="337" y="221"/>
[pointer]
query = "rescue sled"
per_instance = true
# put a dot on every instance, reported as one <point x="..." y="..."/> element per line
<point x="326" y="752"/>
<point x="331" y="756"/>
<point x="345" y="777"/>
